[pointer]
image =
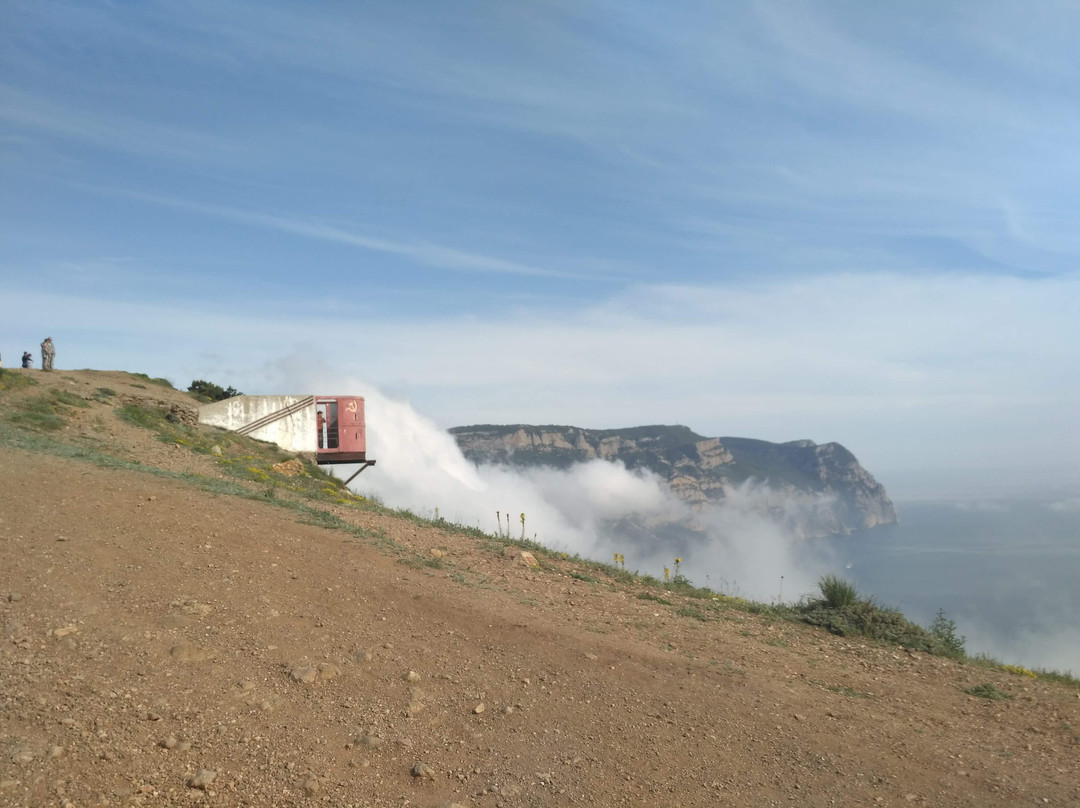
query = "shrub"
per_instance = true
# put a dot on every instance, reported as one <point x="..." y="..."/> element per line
<point x="159" y="381"/>
<point x="208" y="391"/>
<point x="836" y="592"/>
<point x="987" y="691"/>
<point x="862" y="616"/>
<point x="868" y="619"/>
<point x="944" y="630"/>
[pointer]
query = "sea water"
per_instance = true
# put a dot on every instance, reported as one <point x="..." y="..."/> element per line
<point x="1007" y="572"/>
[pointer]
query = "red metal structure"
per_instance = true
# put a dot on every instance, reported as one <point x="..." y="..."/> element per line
<point x="339" y="424"/>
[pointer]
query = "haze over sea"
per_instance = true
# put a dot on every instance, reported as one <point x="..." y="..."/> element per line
<point x="1006" y="571"/>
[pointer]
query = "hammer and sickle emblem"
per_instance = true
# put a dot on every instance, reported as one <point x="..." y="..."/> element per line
<point x="351" y="407"/>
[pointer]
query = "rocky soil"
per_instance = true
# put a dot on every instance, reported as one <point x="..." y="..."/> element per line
<point x="161" y="645"/>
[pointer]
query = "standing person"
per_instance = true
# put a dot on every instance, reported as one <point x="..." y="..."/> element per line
<point x="27" y="359"/>
<point x="48" y="353"/>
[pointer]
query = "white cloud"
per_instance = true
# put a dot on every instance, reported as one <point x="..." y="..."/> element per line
<point x="421" y="251"/>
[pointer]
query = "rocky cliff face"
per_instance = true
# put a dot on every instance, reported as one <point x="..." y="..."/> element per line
<point x="817" y="490"/>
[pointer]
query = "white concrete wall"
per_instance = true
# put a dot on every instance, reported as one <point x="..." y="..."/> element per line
<point x="295" y="432"/>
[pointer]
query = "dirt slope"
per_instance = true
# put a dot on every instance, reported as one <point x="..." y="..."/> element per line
<point x="153" y="631"/>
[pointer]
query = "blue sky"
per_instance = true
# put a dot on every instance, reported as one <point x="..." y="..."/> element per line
<point x="838" y="221"/>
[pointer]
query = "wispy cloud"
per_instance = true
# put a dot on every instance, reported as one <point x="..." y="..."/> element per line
<point x="112" y="132"/>
<point x="427" y="253"/>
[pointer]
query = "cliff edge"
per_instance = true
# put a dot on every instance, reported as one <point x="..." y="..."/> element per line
<point x="832" y="492"/>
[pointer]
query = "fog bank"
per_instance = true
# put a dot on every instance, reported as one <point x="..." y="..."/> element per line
<point x="593" y="509"/>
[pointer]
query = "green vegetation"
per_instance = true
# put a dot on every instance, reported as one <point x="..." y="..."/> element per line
<point x="159" y="382"/>
<point x="421" y="562"/>
<point x="690" y="611"/>
<point x="580" y="576"/>
<point x="247" y="459"/>
<point x="944" y="630"/>
<point x="18" y="437"/>
<point x="841" y="611"/>
<point x="836" y="593"/>
<point x="208" y="391"/>
<point x="987" y="691"/>
<point x="868" y="619"/>
<point x="69" y="399"/>
<point x="681" y="585"/>
<point x="39" y="414"/>
<point x="653" y="598"/>
<point x="48" y="412"/>
<point x="152" y="418"/>
<point x="1059" y="677"/>
<point x="14" y="380"/>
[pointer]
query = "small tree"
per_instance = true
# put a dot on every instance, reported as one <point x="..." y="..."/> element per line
<point x="944" y="629"/>
<point x="208" y="391"/>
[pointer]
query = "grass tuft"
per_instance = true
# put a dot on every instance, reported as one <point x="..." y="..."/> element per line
<point x="987" y="691"/>
<point x="836" y="593"/>
<point x="580" y="576"/>
<point x="690" y="611"/>
<point x="159" y="382"/>
<point x="14" y="380"/>
<point x="69" y="399"/>
<point x="418" y="562"/>
<point x="47" y="412"/>
<point x="653" y="598"/>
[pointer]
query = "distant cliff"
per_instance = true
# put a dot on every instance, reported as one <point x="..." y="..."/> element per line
<point x="818" y="490"/>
